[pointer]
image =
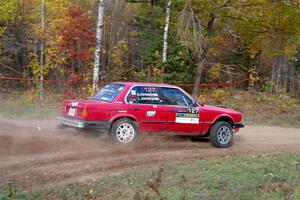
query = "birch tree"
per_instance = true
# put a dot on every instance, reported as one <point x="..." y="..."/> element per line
<point x="166" y="32"/>
<point x="42" y="50"/>
<point x="99" y="31"/>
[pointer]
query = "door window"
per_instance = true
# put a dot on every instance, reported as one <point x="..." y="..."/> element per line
<point x="173" y="96"/>
<point x="144" y="95"/>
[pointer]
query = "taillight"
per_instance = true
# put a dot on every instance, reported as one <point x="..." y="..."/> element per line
<point x="84" y="112"/>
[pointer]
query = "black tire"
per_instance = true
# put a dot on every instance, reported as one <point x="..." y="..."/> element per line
<point x="221" y="135"/>
<point x="124" y="131"/>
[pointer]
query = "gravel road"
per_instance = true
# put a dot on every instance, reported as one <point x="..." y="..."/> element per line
<point x="35" y="154"/>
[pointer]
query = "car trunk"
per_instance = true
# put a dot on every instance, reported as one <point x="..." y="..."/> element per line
<point x="84" y="109"/>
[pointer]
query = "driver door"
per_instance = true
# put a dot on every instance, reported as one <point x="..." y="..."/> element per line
<point x="182" y="116"/>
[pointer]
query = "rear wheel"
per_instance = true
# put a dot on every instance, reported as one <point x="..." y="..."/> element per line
<point x="124" y="131"/>
<point x="221" y="135"/>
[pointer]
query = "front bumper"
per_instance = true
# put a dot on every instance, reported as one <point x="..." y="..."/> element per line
<point x="238" y="125"/>
<point x="77" y="123"/>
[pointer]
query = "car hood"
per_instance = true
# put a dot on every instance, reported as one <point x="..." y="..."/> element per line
<point x="220" y="109"/>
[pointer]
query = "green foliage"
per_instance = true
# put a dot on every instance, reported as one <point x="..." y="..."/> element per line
<point x="12" y="193"/>
<point x="268" y="27"/>
<point x="269" y="85"/>
<point x="118" y="56"/>
<point x="4" y="59"/>
<point x="8" y="10"/>
<point x="178" y="69"/>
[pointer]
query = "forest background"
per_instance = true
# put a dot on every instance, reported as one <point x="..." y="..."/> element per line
<point x="255" y="45"/>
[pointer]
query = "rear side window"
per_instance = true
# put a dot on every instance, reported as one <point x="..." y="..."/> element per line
<point x="173" y="96"/>
<point x="144" y="95"/>
<point x="109" y="92"/>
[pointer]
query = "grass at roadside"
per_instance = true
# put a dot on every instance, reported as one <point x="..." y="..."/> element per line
<point x="36" y="112"/>
<point x="25" y="106"/>
<point x="247" y="177"/>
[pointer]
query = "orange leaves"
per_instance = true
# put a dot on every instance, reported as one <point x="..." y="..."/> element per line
<point x="76" y="35"/>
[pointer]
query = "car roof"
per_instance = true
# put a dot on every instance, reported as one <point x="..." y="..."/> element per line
<point x="145" y="83"/>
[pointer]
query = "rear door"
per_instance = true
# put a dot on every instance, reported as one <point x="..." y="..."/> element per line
<point x="183" y="117"/>
<point x="145" y="104"/>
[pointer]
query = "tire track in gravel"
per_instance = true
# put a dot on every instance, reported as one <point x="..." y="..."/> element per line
<point x="60" y="172"/>
<point x="40" y="160"/>
<point x="35" y="154"/>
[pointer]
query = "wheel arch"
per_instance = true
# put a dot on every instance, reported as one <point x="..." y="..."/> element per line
<point x="219" y="118"/>
<point x="131" y="117"/>
<point x="225" y="118"/>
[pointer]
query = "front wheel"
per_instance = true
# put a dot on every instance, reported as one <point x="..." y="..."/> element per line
<point x="221" y="135"/>
<point x="124" y="131"/>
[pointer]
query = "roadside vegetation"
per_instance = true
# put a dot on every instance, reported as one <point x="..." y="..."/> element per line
<point x="246" y="177"/>
<point x="25" y="105"/>
<point x="258" y="108"/>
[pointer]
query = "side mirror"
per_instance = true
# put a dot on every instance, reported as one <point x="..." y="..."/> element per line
<point x="195" y="103"/>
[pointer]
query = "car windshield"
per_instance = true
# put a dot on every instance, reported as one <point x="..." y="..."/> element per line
<point x="109" y="92"/>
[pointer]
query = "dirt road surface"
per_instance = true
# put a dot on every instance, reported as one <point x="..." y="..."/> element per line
<point x="35" y="154"/>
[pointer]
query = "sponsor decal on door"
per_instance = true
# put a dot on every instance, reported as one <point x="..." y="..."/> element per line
<point x="187" y="115"/>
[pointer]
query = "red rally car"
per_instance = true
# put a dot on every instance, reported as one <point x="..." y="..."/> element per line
<point x="128" y="109"/>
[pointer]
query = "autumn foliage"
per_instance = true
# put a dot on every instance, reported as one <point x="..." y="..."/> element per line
<point x="77" y="35"/>
<point x="209" y="41"/>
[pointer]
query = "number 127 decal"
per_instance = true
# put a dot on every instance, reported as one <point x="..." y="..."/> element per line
<point x="187" y="115"/>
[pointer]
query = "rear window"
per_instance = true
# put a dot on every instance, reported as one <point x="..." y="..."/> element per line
<point x="109" y="92"/>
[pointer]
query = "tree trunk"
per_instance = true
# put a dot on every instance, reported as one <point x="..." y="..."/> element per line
<point x="197" y="81"/>
<point x="42" y="50"/>
<point x="98" y="44"/>
<point x="278" y="73"/>
<point x="282" y="62"/>
<point x="291" y="76"/>
<point x="148" y="73"/>
<point x="286" y="78"/>
<point x="273" y="75"/>
<point x="166" y="32"/>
